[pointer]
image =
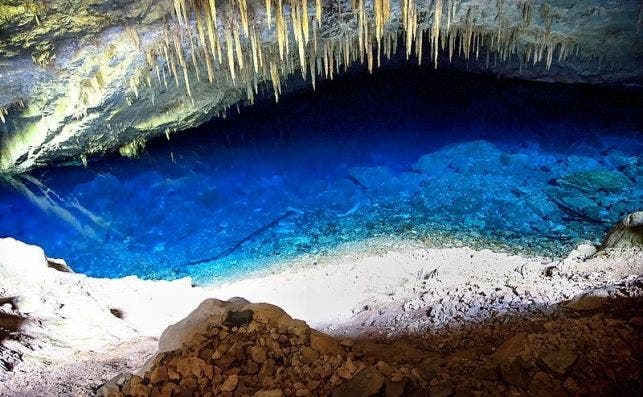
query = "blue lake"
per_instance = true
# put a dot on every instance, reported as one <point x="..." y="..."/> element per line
<point x="407" y="153"/>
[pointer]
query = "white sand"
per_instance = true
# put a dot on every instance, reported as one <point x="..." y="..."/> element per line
<point x="331" y="291"/>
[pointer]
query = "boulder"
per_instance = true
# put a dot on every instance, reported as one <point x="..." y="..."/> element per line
<point x="591" y="182"/>
<point x="582" y="252"/>
<point x="628" y="233"/>
<point x="211" y="312"/>
<point x="325" y="344"/>
<point x="559" y="360"/>
<point x="599" y="196"/>
<point x="511" y="348"/>
<point x="365" y="383"/>
<point x="477" y="157"/>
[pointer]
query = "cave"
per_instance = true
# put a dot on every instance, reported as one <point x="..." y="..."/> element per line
<point x="321" y="198"/>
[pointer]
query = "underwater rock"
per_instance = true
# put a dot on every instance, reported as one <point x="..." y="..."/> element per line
<point x="598" y="196"/>
<point x="371" y="178"/>
<point x="481" y="187"/>
<point x="463" y="158"/>
<point x="575" y="163"/>
<point x="592" y="182"/>
<point x="384" y="184"/>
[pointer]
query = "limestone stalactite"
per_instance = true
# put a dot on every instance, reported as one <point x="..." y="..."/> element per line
<point x="251" y="56"/>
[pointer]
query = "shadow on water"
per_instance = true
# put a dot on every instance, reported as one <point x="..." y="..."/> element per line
<point x="408" y="153"/>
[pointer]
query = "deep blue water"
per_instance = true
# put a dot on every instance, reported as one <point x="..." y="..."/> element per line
<point x="405" y="153"/>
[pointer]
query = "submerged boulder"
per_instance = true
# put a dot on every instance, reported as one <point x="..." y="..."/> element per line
<point x="478" y="157"/>
<point x="598" y="196"/>
<point x="592" y="182"/>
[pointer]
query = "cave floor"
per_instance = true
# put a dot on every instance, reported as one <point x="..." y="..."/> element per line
<point x="450" y="320"/>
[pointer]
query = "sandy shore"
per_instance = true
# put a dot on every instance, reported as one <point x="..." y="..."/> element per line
<point x="86" y="328"/>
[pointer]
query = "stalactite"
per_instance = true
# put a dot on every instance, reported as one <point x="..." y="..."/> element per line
<point x="276" y="83"/>
<point x="195" y="64"/>
<point x="373" y="33"/>
<point x="213" y="11"/>
<point x="299" y="40"/>
<point x="281" y="29"/>
<point x="204" y="46"/>
<point x="304" y="21"/>
<point x="230" y="53"/>
<point x="318" y="12"/>
<point x="172" y="64"/>
<point x="238" y="48"/>
<point x="243" y="12"/>
<point x="435" y="31"/>
<point x="253" y="47"/>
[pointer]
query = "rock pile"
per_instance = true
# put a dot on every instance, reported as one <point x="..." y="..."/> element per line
<point x="586" y="347"/>
<point x="239" y="349"/>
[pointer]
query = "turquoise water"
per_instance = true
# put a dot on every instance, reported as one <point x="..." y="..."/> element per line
<point x="405" y="153"/>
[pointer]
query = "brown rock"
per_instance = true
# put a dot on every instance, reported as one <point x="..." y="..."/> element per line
<point x="365" y="383"/>
<point x="169" y="389"/>
<point x="238" y="318"/>
<point x="586" y="302"/>
<point x="308" y="354"/>
<point x="344" y="373"/>
<point x="559" y="360"/>
<point x="443" y="389"/>
<point x="312" y="385"/>
<point x="267" y="370"/>
<point x="230" y="383"/>
<point x="511" y="348"/>
<point x="265" y="313"/>
<point x="541" y="384"/>
<point x="325" y="344"/>
<point x="158" y="375"/>
<point x="190" y="366"/>
<point x="298" y="327"/>
<point x="109" y="390"/>
<point x="515" y="372"/>
<point x="488" y="371"/>
<point x="258" y="354"/>
<point x="139" y="390"/>
<point x="394" y="389"/>
<point x="384" y="368"/>
<point x="269" y="393"/>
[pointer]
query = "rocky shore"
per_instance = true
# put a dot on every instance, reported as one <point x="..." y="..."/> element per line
<point x="403" y="320"/>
